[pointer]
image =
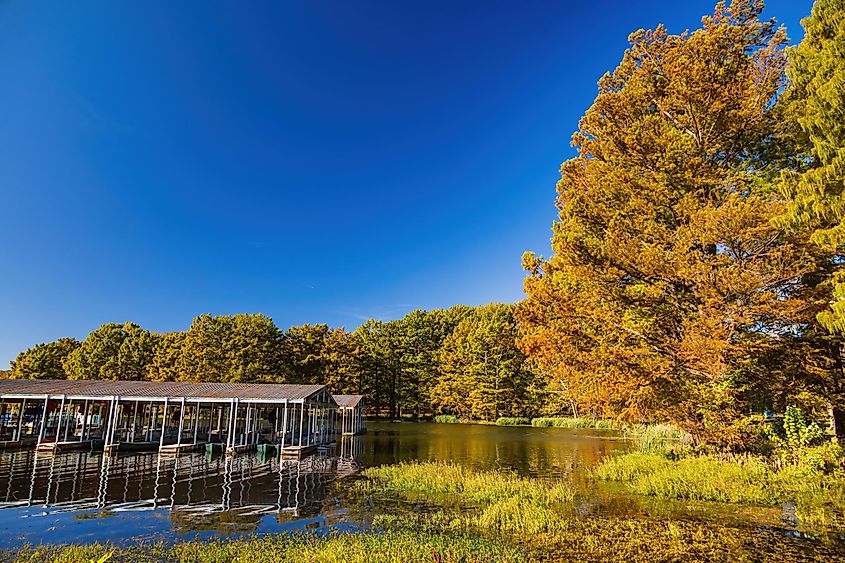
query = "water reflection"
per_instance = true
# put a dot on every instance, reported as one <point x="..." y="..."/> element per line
<point x="197" y="493"/>
<point x="549" y="452"/>
<point x="82" y="496"/>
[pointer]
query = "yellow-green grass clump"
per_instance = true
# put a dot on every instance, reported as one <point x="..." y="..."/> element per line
<point x="389" y="547"/>
<point x="471" y="486"/>
<point x="819" y="497"/>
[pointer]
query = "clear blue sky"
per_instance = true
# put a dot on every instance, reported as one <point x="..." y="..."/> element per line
<point x="313" y="161"/>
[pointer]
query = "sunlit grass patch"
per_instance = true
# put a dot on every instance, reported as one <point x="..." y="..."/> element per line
<point x="446" y="419"/>
<point x="819" y="497"/>
<point x="471" y="485"/>
<point x="389" y="547"/>
<point x="570" y="422"/>
<point x="657" y="438"/>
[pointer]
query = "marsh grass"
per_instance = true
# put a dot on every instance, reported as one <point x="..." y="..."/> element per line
<point x="693" y="478"/>
<point x="446" y="419"/>
<point x="819" y="498"/>
<point x="513" y="421"/>
<point x="389" y="547"/>
<point x="657" y="438"/>
<point x="471" y="486"/>
<point x="569" y="422"/>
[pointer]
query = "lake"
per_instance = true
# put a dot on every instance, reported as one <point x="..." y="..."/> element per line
<point x="85" y="497"/>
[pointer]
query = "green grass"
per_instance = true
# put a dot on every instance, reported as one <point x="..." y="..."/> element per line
<point x="513" y="421"/>
<point x="569" y="422"/>
<point x="468" y="485"/>
<point x="657" y="438"/>
<point x="819" y="497"/>
<point x="446" y="419"/>
<point x="693" y="478"/>
<point x="388" y="547"/>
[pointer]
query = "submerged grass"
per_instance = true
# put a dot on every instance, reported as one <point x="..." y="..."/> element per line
<point x="499" y="517"/>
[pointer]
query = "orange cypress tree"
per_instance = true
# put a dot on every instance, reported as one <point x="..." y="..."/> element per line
<point x="667" y="273"/>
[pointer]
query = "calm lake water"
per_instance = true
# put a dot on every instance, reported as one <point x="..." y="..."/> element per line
<point x="85" y="497"/>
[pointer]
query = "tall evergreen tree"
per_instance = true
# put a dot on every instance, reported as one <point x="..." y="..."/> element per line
<point x="815" y="104"/>
<point x="667" y="270"/>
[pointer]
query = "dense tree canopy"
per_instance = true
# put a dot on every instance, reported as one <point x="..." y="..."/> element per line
<point x="814" y="110"/>
<point x="113" y="351"/>
<point x="43" y="361"/>
<point x="395" y="363"/>
<point x="483" y="374"/>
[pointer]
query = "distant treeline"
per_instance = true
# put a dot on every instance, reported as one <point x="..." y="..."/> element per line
<point x="461" y="360"/>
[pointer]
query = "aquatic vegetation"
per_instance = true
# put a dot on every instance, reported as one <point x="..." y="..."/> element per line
<point x="570" y="422"/>
<point x="513" y="421"/>
<point x="819" y="497"/>
<point x="692" y="478"/>
<point x="657" y="438"/>
<point x="388" y="547"/>
<point x="469" y="485"/>
<point x="446" y="419"/>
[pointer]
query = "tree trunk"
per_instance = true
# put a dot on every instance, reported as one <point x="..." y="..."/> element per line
<point x="837" y="421"/>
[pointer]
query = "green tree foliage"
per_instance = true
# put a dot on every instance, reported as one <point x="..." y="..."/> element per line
<point x="814" y="107"/>
<point x="667" y="271"/>
<point x="342" y="363"/>
<point x="238" y="348"/>
<point x="43" y="361"/>
<point x="483" y="374"/>
<point x="113" y="351"/>
<point x="303" y="352"/>
<point x="167" y="364"/>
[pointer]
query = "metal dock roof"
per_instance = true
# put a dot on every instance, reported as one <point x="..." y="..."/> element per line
<point x="204" y="391"/>
<point x="347" y="401"/>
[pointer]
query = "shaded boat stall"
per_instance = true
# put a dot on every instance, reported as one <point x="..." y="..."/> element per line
<point x="351" y="410"/>
<point x="171" y="417"/>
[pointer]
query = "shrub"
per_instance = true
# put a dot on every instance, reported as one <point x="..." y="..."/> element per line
<point x="446" y="419"/>
<point x="512" y="421"/>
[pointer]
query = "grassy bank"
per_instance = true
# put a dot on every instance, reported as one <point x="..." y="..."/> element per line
<point x="419" y="539"/>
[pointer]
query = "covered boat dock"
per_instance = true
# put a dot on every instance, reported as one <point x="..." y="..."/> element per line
<point x="171" y="417"/>
<point x="351" y="409"/>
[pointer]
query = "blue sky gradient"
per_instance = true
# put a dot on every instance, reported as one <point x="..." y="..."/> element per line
<point x="313" y="161"/>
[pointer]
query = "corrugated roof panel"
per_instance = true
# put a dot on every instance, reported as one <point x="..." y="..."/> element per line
<point x="199" y="390"/>
<point x="348" y="400"/>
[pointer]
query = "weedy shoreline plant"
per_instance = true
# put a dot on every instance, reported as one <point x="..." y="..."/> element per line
<point x="446" y="419"/>
<point x="571" y="422"/>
